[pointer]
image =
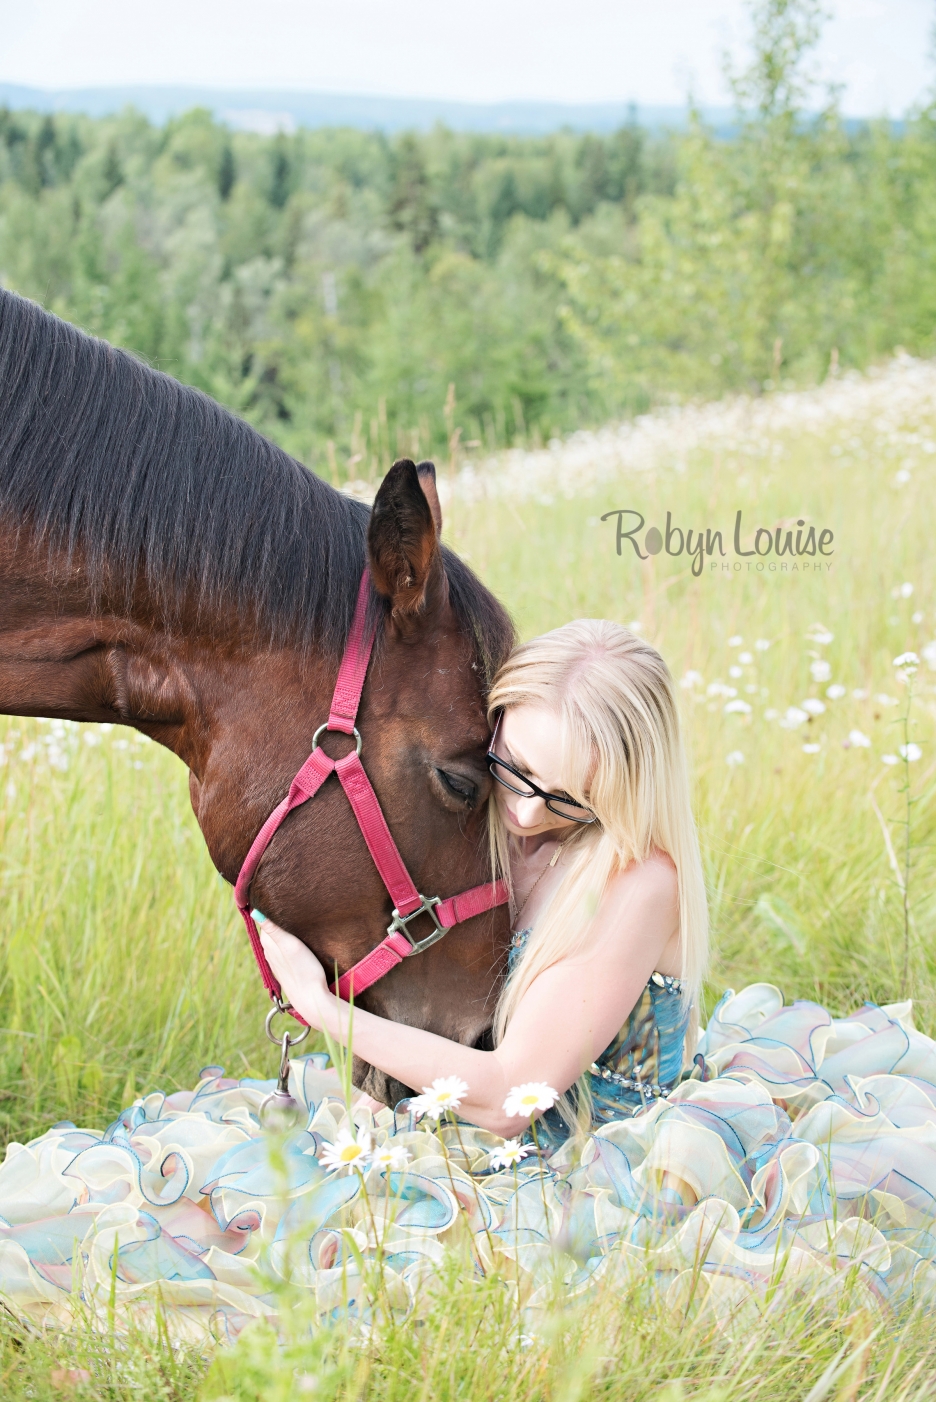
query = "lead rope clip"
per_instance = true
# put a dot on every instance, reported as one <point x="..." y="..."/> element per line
<point x="280" y="1111"/>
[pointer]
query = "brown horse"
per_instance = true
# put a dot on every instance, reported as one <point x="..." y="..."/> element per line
<point x="164" y="566"/>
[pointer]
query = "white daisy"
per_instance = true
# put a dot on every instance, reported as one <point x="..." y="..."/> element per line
<point x="390" y="1156"/>
<point x="510" y="1154"/>
<point x="530" y="1098"/>
<point x="445" y="1093"/>
<point x="346" y="1151"/>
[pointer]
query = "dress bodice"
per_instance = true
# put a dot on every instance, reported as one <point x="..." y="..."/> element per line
<point x="645" y="1059"/>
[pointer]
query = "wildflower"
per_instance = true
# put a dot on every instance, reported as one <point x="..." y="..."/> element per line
<point x="390" y="1156"/>
<point x="762" y="644"/>
<point x="692" y="679"/>
<point x="445" y="1093"/>
<point x="736" y="641"/>
<point x="906" y="664"/>
<point x="811" y="749"/>
<point x="883" y="699"/>
<point x="835" y="692"/>
<point x="889" y="759"/>
<point x="820" y="635"/>
<point x="346" y="1151"/>
<point x="739" y="708"/>
<point x="929" y="654"/>
<point x="736" y="672"/>
<point x="735" y="757"/>
<point x="771" y="714"/>
<point x="820" y="670"/>
<point x="917" y="617"/>
<point x="813" y="706"/>
<point x="745" y="658"/>
<point x="860" y="694"/>
<point x="510" y="1154"/>
<point x="793" y="718"/>
<point x="530" y="1098"/>
<point x="635" y="625"/>
<point x="720" y="689"/>
<point x="910" y="752"/>
<point x="905" y="590"/>
<point x="859" y="740"/>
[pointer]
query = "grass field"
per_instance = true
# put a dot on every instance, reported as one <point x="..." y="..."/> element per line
<point x="124" y="967"/>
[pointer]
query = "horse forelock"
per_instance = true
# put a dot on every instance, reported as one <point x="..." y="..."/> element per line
<point x="146" y="479"/>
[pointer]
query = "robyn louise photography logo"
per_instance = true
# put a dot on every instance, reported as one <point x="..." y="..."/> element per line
<point x="789" y="548"/>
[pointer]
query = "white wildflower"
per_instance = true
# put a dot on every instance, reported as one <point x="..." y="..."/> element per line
<point x="530" y="1098"/>
<point x="692" y="679"/>
<point x="736" y="672"/>
<point x="860" y="694"/>
<point x="390" y="1156"/>
<point x="835" y="692"/>
<point x="858" y="739"/>
<point x="929" y="656"/>
<point x="820" y="635"/>
<point x="762" y="644"/>
<point x="889" y="759"/>
<point x="736" y="641"/>
<point x="794" y="717"/>
<point x="510" y="1154"/>
<point x="883" y="699"/>
<point x="907" y="663"/>
<point x="771" y="713"/>
<point x="820" y="670"/>
<point x="906" y="589"/>
<point x="910" y="752"/>
<point x="746" y="658"/>
<point x="811" y="749"/>
<point x="737" y="708"/>
<point x="813" y="705"/>
<point x="720" y="689"/>
<point x="446" y="1093"/>
<point x="346" y="1151"/>
<point x="733" y="758"/>
<point x="917" y="617"/>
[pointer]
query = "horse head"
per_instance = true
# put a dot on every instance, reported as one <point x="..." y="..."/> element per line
<point x="164" y="566"/>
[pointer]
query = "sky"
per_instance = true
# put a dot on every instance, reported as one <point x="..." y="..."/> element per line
<point x="644" y="51"/>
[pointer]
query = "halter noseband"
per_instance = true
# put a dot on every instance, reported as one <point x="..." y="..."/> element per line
<point x="407" y="901"/>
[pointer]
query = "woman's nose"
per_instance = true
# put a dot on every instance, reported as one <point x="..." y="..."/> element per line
<point x="531" y="812"/>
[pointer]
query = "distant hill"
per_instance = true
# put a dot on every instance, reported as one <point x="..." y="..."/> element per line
<point x="266" y="112"/>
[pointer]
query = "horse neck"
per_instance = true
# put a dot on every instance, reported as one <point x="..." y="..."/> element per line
<point x="66" y="656"/>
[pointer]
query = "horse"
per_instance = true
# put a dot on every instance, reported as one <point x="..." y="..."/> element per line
<point x="166" y="567"/>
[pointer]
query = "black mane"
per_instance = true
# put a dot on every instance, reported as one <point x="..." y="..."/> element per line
<point x="146" y="478"/>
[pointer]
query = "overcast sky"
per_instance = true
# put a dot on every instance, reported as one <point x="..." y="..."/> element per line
<point x="646" y="51"/>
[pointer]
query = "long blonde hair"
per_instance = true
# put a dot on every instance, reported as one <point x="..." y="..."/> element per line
<point x="622" y="756"/>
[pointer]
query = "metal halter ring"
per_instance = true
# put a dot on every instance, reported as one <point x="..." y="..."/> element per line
<point x="286" y="1039"/>
<point x="322" y="729"/>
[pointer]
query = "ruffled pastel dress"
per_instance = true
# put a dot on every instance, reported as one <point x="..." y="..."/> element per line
<point x="799" y="1151"/>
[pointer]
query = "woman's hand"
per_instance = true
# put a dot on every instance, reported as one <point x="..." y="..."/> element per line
<point x="300" y="974"/>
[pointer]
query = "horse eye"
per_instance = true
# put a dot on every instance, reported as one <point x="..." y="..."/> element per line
<point x="458" y="787"/>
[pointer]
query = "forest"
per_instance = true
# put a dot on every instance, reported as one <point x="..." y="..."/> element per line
<point x="358" y="297"/>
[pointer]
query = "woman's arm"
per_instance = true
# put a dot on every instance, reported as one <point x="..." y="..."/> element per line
<point x="567" y="1017"/>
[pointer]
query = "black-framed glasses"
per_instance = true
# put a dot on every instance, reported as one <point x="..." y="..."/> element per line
<point x="512" y="779"/>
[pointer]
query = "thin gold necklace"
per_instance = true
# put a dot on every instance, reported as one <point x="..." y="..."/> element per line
<point x="551" y="863"/>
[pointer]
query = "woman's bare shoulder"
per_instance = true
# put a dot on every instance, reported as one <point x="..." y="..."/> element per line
<point x="654" y="879"/>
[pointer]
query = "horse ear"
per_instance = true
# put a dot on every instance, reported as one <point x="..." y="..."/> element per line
<point x="427" y="480"/>
<point x="403" y="541"/>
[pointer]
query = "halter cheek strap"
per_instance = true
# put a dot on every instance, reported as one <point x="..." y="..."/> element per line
<point x="408" y="903"/>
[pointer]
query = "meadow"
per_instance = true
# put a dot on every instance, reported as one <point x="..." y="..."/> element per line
<point x="813" y="765"/>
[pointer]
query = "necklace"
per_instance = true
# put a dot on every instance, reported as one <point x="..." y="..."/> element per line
<point x="551" y="863"/>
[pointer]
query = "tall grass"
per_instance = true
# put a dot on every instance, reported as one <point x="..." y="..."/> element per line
<point x="124" y="968"/>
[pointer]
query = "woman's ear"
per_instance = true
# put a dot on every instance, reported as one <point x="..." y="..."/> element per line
<point x="403" y="544"/>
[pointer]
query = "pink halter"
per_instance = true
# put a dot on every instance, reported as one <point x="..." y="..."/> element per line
<point x="407" y="901"/>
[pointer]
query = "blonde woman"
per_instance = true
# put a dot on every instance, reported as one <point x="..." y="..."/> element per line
<point x="592" y="822"/>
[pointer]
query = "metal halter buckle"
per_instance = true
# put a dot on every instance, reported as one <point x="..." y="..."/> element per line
<point x="427" y="906"/>
<point x="322" y="729"/>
